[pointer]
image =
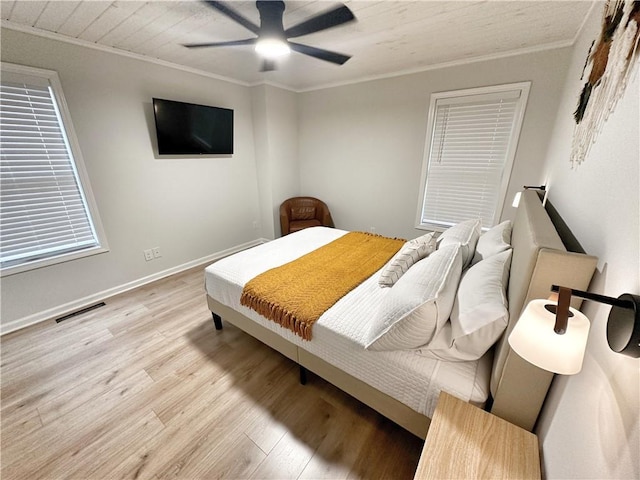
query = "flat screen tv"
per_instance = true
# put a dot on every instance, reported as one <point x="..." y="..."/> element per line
<point x="188" y="129"/>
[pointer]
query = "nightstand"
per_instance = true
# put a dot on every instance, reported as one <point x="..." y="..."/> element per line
<point x="464" y="441"/>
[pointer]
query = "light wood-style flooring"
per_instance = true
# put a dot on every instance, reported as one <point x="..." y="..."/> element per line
<point x="145" y="387"/>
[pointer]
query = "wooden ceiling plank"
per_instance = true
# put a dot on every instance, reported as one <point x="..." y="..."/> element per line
<point x="194" y="19"/>
<point x="27" y="13"/>
<point x="5" y="9"/>
<point x="170" y="16"/>
<point x="55" y="14"/>
<point x="82" y="17"/>
<point x="130" y="26"/>
<point x="113" y="16"/>
<point x="426" y="15"/>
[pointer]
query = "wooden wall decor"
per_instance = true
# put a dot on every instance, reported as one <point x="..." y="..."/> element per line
<point x="607" y="70"/>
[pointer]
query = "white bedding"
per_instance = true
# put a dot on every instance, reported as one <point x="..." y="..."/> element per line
<point x="339" y="334"/>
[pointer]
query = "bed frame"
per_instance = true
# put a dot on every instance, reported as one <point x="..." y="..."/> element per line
<point x="517" y="387"/>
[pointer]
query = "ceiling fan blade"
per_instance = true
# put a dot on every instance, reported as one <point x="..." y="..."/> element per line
<point x="268" y="66"/>
<point x="233" y="15"/>
<point x="232" y="43"/>
<point x="320" y="53"/>
<point x="325" y="20"/>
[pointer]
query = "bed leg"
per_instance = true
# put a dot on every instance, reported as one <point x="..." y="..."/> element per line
<point x="489" y="404"/>
<point x="217" y="320"/>
<point x="303" y="375"/>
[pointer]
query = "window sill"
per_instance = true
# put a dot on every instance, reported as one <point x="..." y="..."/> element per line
<point x="430" y="228"/>
<point x="47" y="262"/>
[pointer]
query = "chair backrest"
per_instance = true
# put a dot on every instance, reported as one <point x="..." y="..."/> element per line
<point x="304" y="209"/>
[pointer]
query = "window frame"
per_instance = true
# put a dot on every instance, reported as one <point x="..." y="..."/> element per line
<point x="514" y="139"/>
<point x="79" y="166"/>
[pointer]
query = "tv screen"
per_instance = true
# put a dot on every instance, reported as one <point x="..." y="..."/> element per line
<point x="188" y="129"/>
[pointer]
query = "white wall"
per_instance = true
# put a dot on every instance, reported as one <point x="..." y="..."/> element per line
<point x="282" y="108"/>
<point x="275" y="120"/>
<point x="589" y="427"/>
<point x="190" y="207"/>
<point x="263" y="164"/>
<point x="361" y="146"/>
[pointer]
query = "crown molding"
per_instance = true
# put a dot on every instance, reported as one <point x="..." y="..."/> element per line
<point x="456" y="63"/>
<point x="438" y="66"/>
<point x="104" y="48"/>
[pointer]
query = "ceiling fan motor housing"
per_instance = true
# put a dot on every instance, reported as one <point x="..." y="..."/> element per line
<point x="271" y="13"/>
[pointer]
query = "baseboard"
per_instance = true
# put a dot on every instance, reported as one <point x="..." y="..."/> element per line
<point x="84" y="302"/>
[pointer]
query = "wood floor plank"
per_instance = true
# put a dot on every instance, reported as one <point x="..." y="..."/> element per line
<point x="59" y="377"/>
<point x="238" y="459"/>
<point x="38" y="360"/>
<point x="399" y="453"/>
<point x="131" y="465"/>
<point x="139" y="428"/>
<point x="17" y="426"/>
<point x="119" y="319"/>
<point x="24" y="351"/>
<point x="180" y="354"/>
<point x="146" y="388"/>
<point x="79" y="427"/>
<point x="105" y="391"/>
<point x="225" y="412"/>
<point x="340" y="448"/>
<point x="308" y="423"/>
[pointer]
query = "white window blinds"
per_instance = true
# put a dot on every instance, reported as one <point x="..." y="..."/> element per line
<point x="471" y="145"/>
<point x="44" y="211"/>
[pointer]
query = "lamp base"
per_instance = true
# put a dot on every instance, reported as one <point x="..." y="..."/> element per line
<point x="623" y="326"/>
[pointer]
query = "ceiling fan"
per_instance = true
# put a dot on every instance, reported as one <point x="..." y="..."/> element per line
<point x="272" y="39"/>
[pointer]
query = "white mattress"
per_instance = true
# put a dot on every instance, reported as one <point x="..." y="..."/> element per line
<point x="338" y="335"/>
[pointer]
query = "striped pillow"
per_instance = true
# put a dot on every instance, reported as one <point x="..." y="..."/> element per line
<point x="410" y="253"/>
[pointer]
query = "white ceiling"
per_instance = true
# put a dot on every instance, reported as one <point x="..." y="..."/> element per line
<point x="389" y="37"/>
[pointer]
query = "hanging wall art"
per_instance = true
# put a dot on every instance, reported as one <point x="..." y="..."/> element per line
<point x="610" y="62"/>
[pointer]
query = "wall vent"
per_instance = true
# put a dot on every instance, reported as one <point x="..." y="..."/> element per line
<point x="80" y="312"/>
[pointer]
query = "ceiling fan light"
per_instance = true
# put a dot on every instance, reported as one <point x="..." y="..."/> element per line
<point x="272" y="48"/>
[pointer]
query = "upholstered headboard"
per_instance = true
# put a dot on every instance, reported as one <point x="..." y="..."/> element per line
<point x="539" y="260"/>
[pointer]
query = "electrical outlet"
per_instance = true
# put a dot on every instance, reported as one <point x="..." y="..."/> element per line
<point x="255" y="224"/>
<point x="156" y="252"/>
<point x="372" y="229"/>
<point x="148" y="255"/>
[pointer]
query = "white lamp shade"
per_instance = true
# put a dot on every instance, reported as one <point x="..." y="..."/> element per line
<point x="272" y="48"/>
<point x="534" y="339"/>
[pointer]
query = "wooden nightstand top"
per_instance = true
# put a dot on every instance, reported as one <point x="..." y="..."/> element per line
<point x="467" y="442"/>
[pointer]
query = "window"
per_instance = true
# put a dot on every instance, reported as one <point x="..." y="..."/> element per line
<point x="471" y="142"/>
<point x="47" y="212"/>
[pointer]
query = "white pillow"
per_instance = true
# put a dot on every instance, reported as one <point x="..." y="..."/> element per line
<point x="419" y="304"/>
<point x="410" y="253"/>
<point x="466" y="234"/>
<point x="496" y="240"/>
<point x="479" y="314"/>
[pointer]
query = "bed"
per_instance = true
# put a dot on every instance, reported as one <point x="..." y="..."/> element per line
<point x="403" y="384"/>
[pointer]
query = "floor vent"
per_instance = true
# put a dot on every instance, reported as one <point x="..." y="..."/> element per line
<point x="80" y="312"/>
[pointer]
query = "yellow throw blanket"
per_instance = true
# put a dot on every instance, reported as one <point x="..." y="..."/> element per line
<point x="297" y="293"/>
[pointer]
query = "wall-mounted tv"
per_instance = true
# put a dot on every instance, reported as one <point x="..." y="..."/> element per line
<point x="188" y="129"/>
